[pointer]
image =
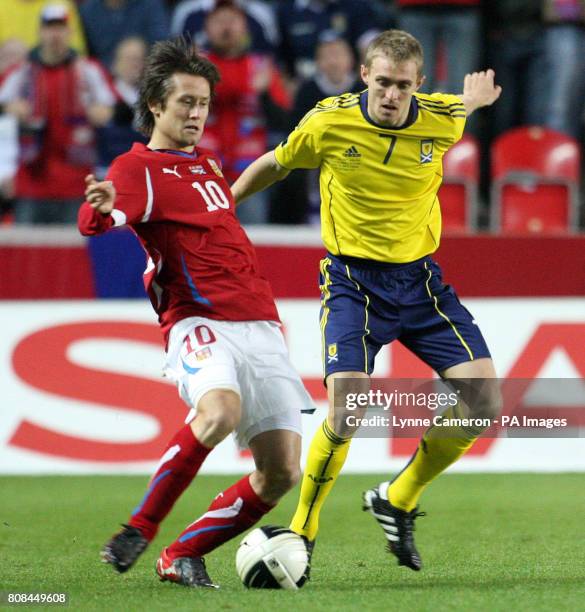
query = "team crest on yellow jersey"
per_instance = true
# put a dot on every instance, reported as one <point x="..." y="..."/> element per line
<point x="426" y="151"/>
<point x="215" y="167"/>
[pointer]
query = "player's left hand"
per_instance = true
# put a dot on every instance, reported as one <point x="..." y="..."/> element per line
<point x="480" y="87"/>
<point x="100" y="195"/>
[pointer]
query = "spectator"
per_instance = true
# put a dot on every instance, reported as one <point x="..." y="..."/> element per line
<point x="189" y="20"/>
<point x="335" y="74"/>
<point x="565" y="52"/>
<point x="449" y="26"/>
<point x="250" y="90"/>
<point x="119" y="134"/>
<point x="108" y="22"/>
<point x="20" y="19"/>
<point x="299" y="199"/>
<point x="58" y="98"/>
<point x="302" y="21"/>
<point x="517" y="54"/>
<point x="12" y="52"/>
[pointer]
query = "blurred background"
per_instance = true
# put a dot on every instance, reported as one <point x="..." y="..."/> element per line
<point x="80" y="352"/>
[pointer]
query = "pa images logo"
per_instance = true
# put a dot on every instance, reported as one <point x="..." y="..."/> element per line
<point x="426" y="151"/>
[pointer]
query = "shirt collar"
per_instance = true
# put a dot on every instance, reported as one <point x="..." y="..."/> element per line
<point x="410" y="119"/>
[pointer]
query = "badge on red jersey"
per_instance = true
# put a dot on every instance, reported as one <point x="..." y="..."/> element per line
<point x="215" y="167"/>
<point x="197" y="169"/>
<point x="204" y="353"/>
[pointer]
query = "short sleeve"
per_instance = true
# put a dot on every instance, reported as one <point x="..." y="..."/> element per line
<point x="302" y="147"/>
<point x="455" y="108"/>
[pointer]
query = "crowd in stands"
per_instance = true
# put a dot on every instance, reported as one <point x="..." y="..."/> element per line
<point x="70" y="72"/>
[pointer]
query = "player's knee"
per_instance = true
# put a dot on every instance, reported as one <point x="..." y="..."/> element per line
<point x="221" y="419"/>
<point x="218" y="414"/>
<point x="489" y="402"/>
<point x="278" y="481"/>
<point x="291" y="477"/>
<point x="346" y="391"/>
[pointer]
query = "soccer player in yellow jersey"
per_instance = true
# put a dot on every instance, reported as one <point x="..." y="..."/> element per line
<point x="379" y="154"/>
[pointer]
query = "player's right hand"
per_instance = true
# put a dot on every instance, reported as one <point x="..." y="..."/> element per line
<point x="100" y="194"/>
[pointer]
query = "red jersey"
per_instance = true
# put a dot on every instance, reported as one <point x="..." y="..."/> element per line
<point x="200" y="261"/>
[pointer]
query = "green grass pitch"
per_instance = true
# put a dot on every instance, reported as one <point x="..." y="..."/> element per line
<point x="489" y="542"/>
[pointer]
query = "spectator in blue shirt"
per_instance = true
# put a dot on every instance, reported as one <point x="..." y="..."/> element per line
<point x="108" y="22"/>
<point x="301" y="22"/>
<point x="189" y="19"/>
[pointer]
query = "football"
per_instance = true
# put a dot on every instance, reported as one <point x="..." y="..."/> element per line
<point x="272" y="557"/>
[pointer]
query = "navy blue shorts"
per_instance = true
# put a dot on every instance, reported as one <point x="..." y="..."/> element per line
<point x="366" y="304"/>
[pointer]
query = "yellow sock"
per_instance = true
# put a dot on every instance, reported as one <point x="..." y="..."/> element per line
<point x="440" y="447"/>
<point x="327" y="455"/>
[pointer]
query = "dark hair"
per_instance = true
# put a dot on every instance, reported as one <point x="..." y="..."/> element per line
<point x="167" y="58"/>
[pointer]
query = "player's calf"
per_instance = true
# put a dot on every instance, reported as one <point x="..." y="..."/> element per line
<point x="271" y="484"/>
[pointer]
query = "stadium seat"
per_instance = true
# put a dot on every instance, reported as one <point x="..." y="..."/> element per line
<point x="458" y="193"/>
<point x="535" y="181"/>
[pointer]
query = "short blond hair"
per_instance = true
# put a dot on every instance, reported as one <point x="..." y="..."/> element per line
<point x="397" y="45"/>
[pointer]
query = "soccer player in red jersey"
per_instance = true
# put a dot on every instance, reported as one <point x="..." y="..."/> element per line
<point x="224" y="347"/>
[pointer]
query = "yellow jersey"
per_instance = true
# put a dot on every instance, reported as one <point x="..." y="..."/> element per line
<point x="378" y="185"/>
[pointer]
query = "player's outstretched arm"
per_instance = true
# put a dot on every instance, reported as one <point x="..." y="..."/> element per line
<point x="259" y="175"/>
<point x="100" y="198"/>
<point x="479" y="90"/>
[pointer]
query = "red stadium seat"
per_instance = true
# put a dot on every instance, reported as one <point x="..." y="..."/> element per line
<point x="458" y="193"/>
<point x="535" y="181"/>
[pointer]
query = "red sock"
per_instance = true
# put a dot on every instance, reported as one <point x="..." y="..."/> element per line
<point x="230" y="513"/>
<point x="177" y="468"/>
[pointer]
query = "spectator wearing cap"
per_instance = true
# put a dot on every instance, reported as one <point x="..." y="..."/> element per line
<point x="20" y="18"/>
<point x="58" y="98"/>
<point x="250" y="91"/>
<point x="189" y="19"/>
<point x="108" y="22"/>
<point x="302" y="21"/>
